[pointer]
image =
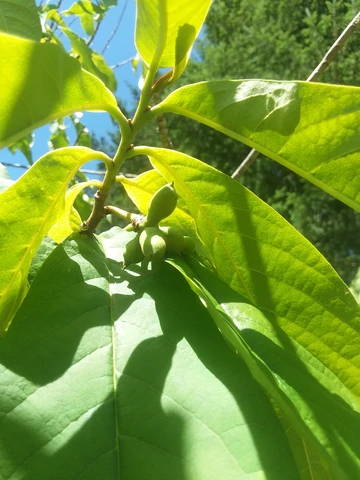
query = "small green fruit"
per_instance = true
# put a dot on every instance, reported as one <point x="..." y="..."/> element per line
<point x="133" y="252"/>
<point x="174" y="240"/>
<point x="152" y="243"/>
<point x="162" y="204"/>
<point x="176" y="243"/>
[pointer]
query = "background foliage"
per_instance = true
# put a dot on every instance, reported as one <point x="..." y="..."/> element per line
<point x="118" y="363"/>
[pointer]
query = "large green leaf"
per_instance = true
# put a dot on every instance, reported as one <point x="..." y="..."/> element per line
<point x="28" y="209"/>
<point x="20" y="17"/>
<point x="141" y="190"/>
<point x="311" y="128"/>
<point x="124" y="376"/>
<point x="261" y="256"/>
<point x="42" y="83"/>
<point x="175" y="27"/>
<point x="322" y="429"/>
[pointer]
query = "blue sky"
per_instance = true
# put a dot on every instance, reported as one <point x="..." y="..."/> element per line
<point x="120" y="49"/>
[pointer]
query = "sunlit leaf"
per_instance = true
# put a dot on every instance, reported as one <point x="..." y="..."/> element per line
<point x="83" y="137"/>
<point x="261" y="256"/>
<point x="86" y="11"/>
<point x="355" y="286"/>
<point x="92" y="62"/>
<point x="175" y="26"/>
<point x="52" y="14"/>
<point x="69" y="220"/>
<point x="59" y="137"/>
<point x="138" y="383"/>
<point x="37" y="68"/>
<point x="20" y="17"/>
<point x="28" y="209"/>
<point x="313" y="417"/>
<point x="311" y="128"/>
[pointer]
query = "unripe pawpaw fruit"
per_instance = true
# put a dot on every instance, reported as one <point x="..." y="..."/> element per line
<point x="152" y="242"/>
<point x="162" y="204"/>
<point x="176" y="243"/>
<point x="133" y="253"/>
<point x="174" y="240"/>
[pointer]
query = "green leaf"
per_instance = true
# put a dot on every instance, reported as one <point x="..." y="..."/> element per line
<point x="83" y="136"/>
<point x="46" y="247"/>
<point x="69" y="220"/>
<point x="142" y="188"/>
<point x="262" y="257"/>
<point x="52" y="14"/>
<point x="162" y="21"/>
<point x="83" y="9"/>
<point x="355" y="286"/>
<point x="37" y="68"/>
<point x="90" y="60"/>
<point x="321" y="428"/>
<point x="20" y="17"/>
<point x="121" y="375"/>
<point x="24" y="145"/>
<point x="108" y="3"/>
<point x="5" y="180"/>
<point x="59" y="137"/>
<point x="310" y="128"/>
<point x="28" y="209"/>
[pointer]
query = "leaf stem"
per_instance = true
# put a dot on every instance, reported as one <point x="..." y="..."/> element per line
<point x="129" y="129"/>
<point x="147" y="90"/>
<point x="119" y="212"/>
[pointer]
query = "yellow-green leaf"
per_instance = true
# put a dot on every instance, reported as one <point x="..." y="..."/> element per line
<point x="322" y="430"/>
<point x="261" y="256"/>
<point x="86" y="11"/>
<point x="173" y="24"/>
<point x="310" y="128"/>
<point x="40" y="83"/>
<point x="69" y="220"/>
<point x="28" y="209"/>
<point x="92" y="61"/>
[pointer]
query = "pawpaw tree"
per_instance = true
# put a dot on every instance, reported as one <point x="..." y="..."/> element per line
<point x="207" y="338"/>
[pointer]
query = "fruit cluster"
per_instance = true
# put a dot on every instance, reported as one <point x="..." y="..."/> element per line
<point x="152" y="242"/>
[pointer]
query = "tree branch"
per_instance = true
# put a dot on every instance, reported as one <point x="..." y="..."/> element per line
<point x="87" y="171"/>
<point x="96" y="29"/>
<point x="246" y="163"/>
<point x="117" y="26"/>
<point x="320" y="68"/>
<point x="335" y="47"/>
